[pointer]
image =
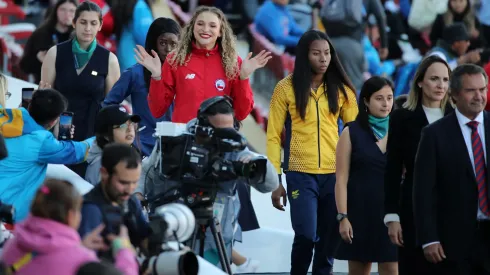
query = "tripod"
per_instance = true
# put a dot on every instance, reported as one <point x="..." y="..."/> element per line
<point x="201" y="225"/>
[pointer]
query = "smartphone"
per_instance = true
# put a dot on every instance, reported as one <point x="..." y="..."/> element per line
<point x="66" y="121"/>
<point x="27" y="96"/>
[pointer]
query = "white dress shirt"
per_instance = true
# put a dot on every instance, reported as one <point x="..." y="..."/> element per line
<point x="466" y="130"/>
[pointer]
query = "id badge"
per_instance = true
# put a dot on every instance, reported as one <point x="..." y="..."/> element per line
<point x="218" y="210"/>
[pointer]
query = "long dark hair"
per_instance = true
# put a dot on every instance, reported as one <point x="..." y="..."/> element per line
<point x="122" y="11"/>
<point x="333" y="80"/>
<point x="51" y="18"/>
<point x="369" y="87"/>
<point x="160" y="26"/>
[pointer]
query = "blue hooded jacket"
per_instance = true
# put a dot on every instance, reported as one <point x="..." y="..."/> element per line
<point x="30" y="148"/>
<point x="132" y="82"/>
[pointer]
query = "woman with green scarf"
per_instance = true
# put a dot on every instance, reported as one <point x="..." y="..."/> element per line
<point x="361" y="161"/>
<point x="83" y="71"/>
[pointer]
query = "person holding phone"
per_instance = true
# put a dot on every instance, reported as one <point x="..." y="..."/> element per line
<point x="31" y="147"/>
<point x="83" y="71"/>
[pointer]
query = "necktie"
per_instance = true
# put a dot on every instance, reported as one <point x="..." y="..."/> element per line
<point x="480" y="168"/>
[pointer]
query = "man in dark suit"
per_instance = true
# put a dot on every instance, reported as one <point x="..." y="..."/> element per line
<point x="450" y="193"/>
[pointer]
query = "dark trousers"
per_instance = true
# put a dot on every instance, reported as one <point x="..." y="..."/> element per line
<point x="477" y="261"/>
<point x="411" y="261"/>
<point x="313" y="217"/>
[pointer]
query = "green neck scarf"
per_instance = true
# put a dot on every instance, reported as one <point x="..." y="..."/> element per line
<point x="80" y="55"/>
<point x="379" y="125"/>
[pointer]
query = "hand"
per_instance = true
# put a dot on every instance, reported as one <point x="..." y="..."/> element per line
<point x="123" y="234"/>
<point x="94" y="241"/>
<point x="475" y="33"/>
<point x="345" y="229"/>
<point x="249" y="65"/>
<point x="383" y="53"/>
<point x="43" y="85"/>
<point x="72" y="131"/>
<point x="151" y="63"/>
<point x="472" y="56"/>
<point x="276" y="198"/>
<point x="41" y="55"/>
<point x="434" y="253"/>
<point x="395" y="233"/>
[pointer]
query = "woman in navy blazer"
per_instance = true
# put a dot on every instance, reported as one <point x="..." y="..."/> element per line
<point x="162" y="38"/>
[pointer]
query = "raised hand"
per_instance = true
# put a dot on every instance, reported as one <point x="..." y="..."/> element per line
<point x="249" y="65"/>
<point x="151" y="63"/>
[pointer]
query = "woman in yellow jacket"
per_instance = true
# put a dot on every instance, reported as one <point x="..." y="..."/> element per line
<point x="309" y="103"/>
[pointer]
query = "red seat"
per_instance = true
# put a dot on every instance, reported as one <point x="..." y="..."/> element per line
<point x="11" y="9"/>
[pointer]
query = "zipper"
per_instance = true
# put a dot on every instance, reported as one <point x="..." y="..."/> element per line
<point x="318" y="132"/>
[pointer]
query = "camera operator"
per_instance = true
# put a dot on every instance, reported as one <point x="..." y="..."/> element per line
<point x="110" y="202"/>
<point x="217" y="113"/>
<point x="31" y="147"/>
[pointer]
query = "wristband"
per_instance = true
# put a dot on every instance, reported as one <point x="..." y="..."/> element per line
<point x="119" y="244"/>
<point x="280" y="178"/>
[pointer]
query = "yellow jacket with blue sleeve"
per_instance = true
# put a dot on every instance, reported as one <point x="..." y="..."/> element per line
<point x="310" y="144"/>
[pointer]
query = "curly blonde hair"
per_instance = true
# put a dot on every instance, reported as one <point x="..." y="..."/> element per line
<point x="226" y="44"/>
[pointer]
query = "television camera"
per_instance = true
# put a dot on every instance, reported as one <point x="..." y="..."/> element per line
<point x="196" y="164"/>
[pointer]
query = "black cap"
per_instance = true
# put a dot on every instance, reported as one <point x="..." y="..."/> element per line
<point x="455" y="32"/>
<point x="113" y="115"/>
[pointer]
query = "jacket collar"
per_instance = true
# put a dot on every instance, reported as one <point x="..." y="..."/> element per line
<point x="198" y="51"/>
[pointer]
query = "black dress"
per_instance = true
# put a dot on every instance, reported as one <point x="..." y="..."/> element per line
<point x="365" y="202"/>
<point x="85" y="91"/>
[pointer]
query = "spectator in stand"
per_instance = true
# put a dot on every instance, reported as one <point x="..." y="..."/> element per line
<point x="32" y="146"/>
<point x="83" y="71"/>
<point x="276" y="23"/>
<point x="104" y="36"/>
<point x="162" y="38"/>
<point x="48" y="240"/>
<point x="453" y="47"/>
<point x="309" y="103"/>
<point x="361" y="162"/>
<point x="56" y="29"/>
<point x="114" y="124"/>
<point x="132" y="19"/>
<point x="347" y="34"/>
<point x="427" y="102"/>
<point x="205" y="64"/>
<point x="458" y="11"/>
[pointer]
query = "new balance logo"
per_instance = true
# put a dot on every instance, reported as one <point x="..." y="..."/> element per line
<point x="190" y="76"/>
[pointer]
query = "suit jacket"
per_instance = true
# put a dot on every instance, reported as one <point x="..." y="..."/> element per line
<point x="445" y="189"/>
<point x="403" y="140"/>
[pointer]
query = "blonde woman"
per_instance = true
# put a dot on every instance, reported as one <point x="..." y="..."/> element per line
<point x="426" y="103"/>
<point x="204" y="64"/>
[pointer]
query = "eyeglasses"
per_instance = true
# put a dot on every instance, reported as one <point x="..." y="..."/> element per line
<point x="125" y="126"/>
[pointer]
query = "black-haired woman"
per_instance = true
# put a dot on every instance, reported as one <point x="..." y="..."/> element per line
<point x="83" y="71"/>
<point x="54" y="30"/>
<point x="309" y="103"/>
<point x="162" y="38"/>
<point x="361" y="161"/>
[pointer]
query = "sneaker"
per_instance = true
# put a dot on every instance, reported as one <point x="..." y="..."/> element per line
<point x="250" y="266"/>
